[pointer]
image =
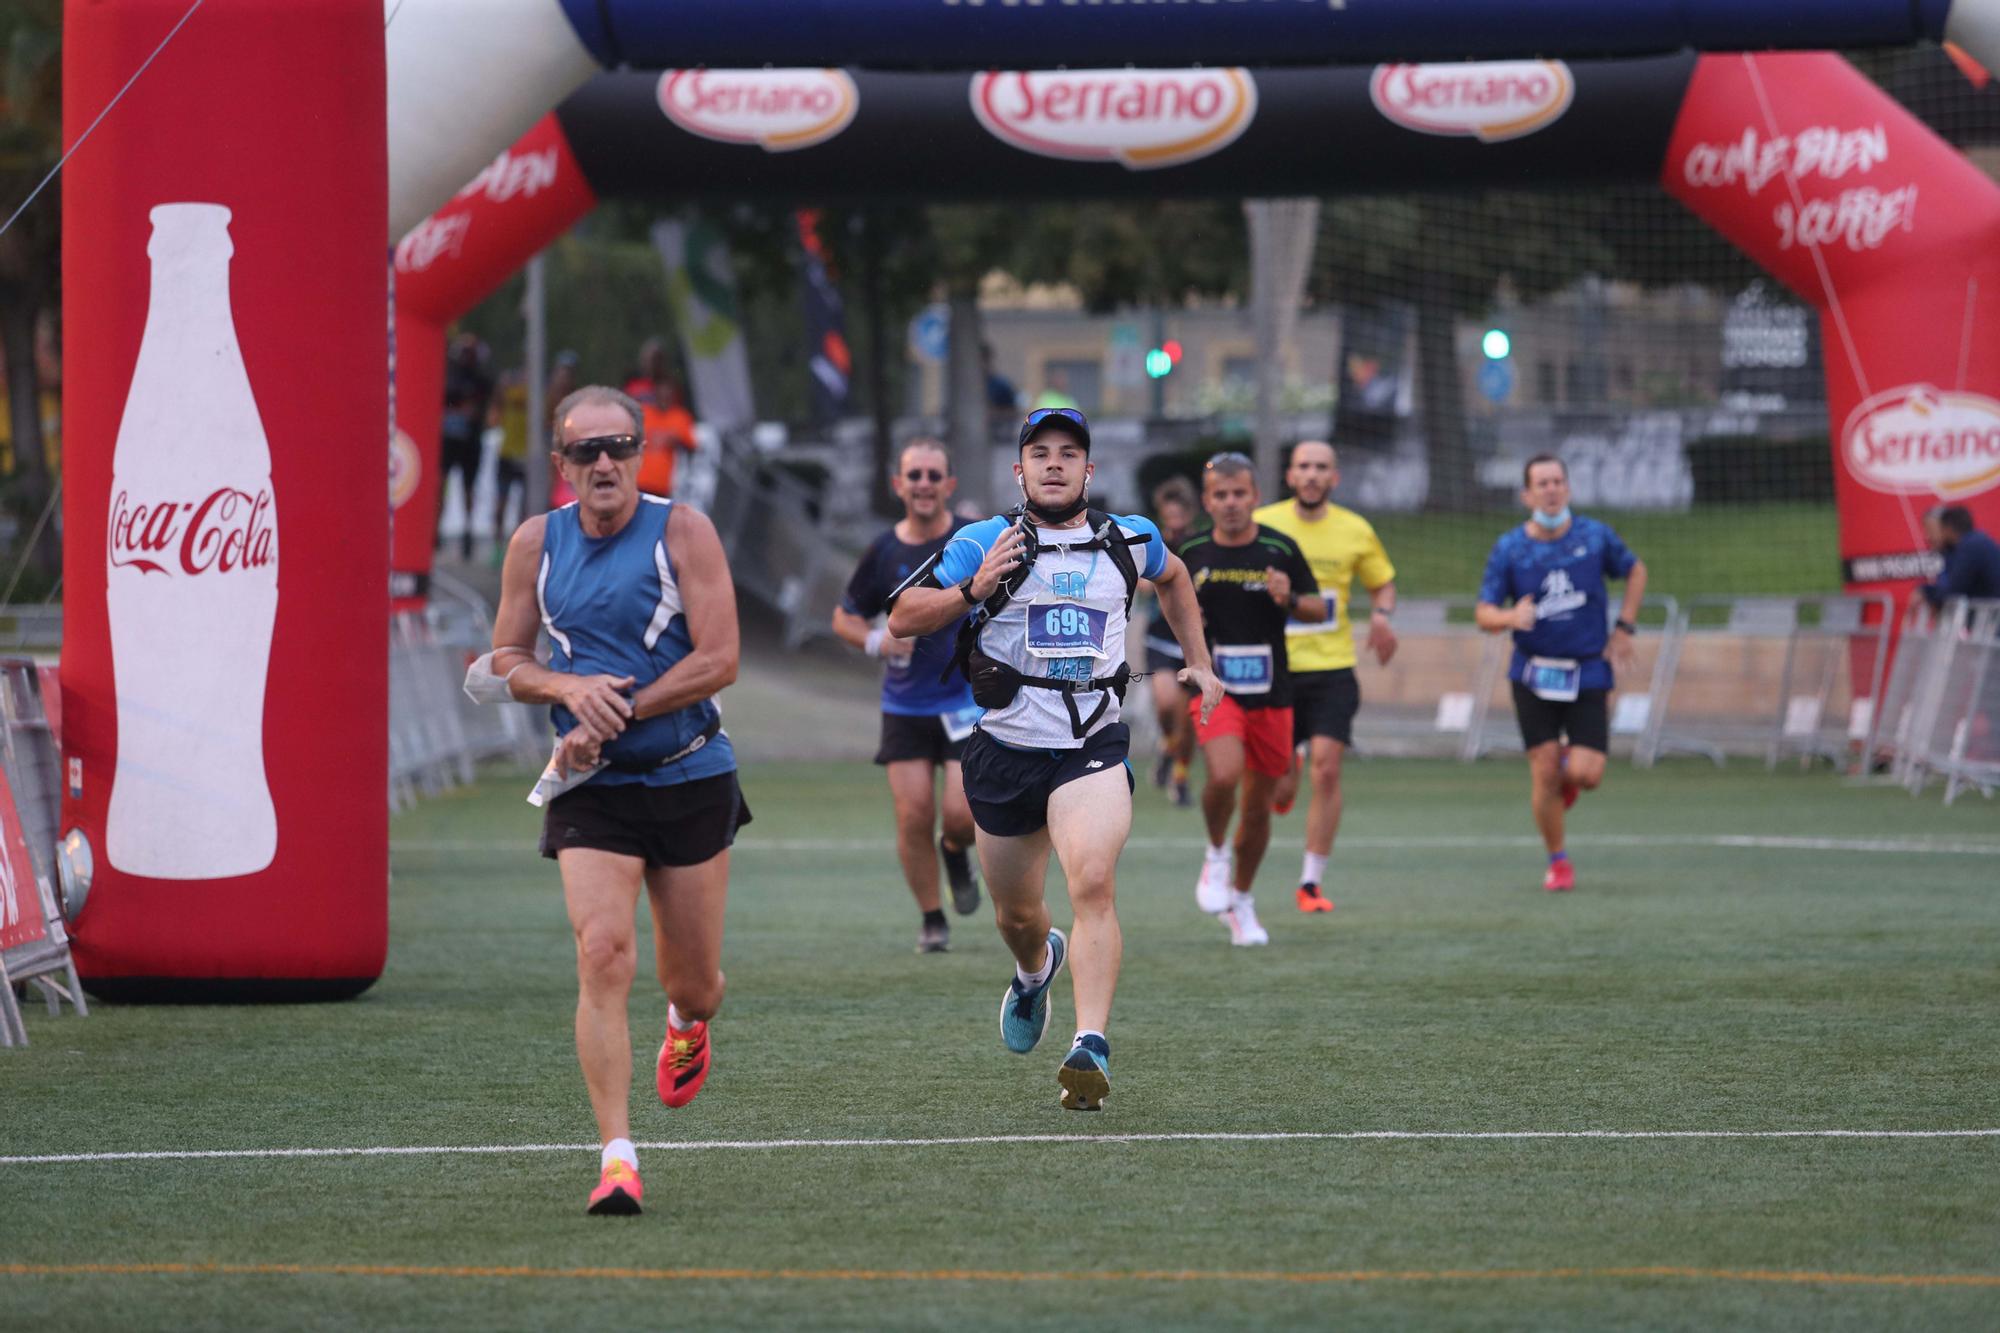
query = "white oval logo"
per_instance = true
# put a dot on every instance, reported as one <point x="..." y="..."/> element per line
<point x="406" y="468"/>
<point x="779" y="110"/>
<point x="1918" y="440"/>
<point x="1139" y="118"/>
<point x="1485" y="100"/>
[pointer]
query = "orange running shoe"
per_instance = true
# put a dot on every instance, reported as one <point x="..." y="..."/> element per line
<point x="683" y="1065"/>
<point x="618" y="1192"/>
<point x="1561" y="877"/>
<point x="1312" y="900"/>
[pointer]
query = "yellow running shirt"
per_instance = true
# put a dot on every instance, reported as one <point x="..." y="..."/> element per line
<point x="1340" y="547"/>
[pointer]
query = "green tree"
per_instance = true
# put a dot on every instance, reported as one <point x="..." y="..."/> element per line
<point x="30" y="250"/>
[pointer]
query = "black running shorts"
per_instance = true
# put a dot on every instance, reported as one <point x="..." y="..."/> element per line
<point x="916" y="737"/>
<point x="1008" y="789"/>
<point x="1324" y="704"/>
<point x="684" y="824"/>
<point x="1584" y="721"/>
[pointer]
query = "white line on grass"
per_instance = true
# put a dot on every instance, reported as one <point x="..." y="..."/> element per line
<point x="1772" y="842"/>
<point x="982" y="1140"/>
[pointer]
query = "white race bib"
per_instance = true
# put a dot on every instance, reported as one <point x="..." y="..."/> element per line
<point x="1556" y="679"/>
<point x="959" y="723"/>
<point x="1060" y="628"/>
<point x="1245" y="668"/>
<point x="1328" y="626"/>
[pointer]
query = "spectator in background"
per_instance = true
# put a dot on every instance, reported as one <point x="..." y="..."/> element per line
<point x="669" y="426"/>
<point x="510" y="414"/>
<point x="1056" y="391"/>
<point x="562" y="383"/>
<point x="1003" y="400"/>
<point x="1971" y="558"/>
<point x="468" y="394"/>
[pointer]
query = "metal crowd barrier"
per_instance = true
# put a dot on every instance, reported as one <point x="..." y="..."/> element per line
<point x="30" y="911"/>
<point x="1951" y="727"/>
<point x="1776" y="676"/>
<point x="436" y="735"/>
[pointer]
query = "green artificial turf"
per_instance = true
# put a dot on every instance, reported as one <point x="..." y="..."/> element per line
<point x="1685" y="986"/>
<point x="1714" y="550"/>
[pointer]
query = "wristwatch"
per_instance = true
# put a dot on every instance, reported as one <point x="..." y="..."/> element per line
<point x="1386" y="612"/>
<point x="965" y="591"/>
<point x="1627" y="626"/>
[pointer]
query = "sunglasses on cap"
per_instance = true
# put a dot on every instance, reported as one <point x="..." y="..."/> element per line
<point x="584" y="452"/>
<point x="1041" y="414"/>
<point x="1228" y="457"/>
<point x="929" y="474"/>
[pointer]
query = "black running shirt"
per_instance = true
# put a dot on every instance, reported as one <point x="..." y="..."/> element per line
<point x="1246" y="629"/>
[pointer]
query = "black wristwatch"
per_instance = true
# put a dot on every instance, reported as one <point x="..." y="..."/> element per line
<point x="1627" y="626"/>
<point x="965" y="591"/>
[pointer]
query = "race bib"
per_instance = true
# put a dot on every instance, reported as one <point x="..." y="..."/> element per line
<point x="1245" y="668"/>
<point x="1555" y="679"/>
<point x="1328" y="626"/>
<point x="1067" y="629"/>
<point x="958" y="723"/>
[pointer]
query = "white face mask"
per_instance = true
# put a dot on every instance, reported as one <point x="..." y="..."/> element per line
<point x="1551" y="521"/>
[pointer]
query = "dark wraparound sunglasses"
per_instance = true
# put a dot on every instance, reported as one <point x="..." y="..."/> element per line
<point x="923" y="474"/>
<point x="1041" y="414"/>
<point x="584" y="452"/>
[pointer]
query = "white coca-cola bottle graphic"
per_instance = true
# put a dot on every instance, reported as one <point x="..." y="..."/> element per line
<point x="192" y="577"/>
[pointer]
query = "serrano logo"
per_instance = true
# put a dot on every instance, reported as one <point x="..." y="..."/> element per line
<point x="777" y="109"/>
<point x="406" y="468"/>
<point x="1917" y="440"/>
<point x="1139" y="118"/>
<point x="1488" y="101"/>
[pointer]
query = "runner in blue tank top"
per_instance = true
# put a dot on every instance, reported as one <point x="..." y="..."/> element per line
<point x="1545" y="582"/>
<point x="927" y="712"/>
<point x="636" y="598"/>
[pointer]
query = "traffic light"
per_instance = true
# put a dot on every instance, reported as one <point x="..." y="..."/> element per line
<point x="1161" y="361"/>
<point x="1496" y="344"/>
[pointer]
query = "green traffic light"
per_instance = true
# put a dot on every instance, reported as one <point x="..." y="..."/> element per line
<point x="1158" y="363"/>
<point x="1496" y="344"/>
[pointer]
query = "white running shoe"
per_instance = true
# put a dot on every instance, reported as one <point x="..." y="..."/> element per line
<point x="1244" y="928"/>
<point x="1216" y="885"/>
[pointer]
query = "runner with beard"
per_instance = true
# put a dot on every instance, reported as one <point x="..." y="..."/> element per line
<point x="1248" y="578"/>
<point x="1050" y="591"/>
<point x="1341" y="547"/>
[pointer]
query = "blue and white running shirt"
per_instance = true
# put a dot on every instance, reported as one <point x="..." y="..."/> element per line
<point x="1067" y="622"/>
<point x="1566" y="579"/>
<point x="612" y="606"/>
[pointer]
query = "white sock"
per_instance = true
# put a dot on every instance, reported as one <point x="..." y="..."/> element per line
<point x="1314" y="871"/>
<point x="619" y="1150"/>
<point x="674" y="1019"/>
<point x="1219" y="852"/>
<point x="1041" y="978"/>
<point x="1238" y="898"/>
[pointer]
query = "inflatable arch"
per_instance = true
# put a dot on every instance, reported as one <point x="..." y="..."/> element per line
<point x="228" y="316"/>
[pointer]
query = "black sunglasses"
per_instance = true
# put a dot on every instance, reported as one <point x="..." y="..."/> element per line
<point x="584" y="452"/>
<point x="924" y="474"/>
<point x="1229" y="456"/>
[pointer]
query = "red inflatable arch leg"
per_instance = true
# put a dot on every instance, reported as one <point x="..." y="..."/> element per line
<point x="225" y="542"/>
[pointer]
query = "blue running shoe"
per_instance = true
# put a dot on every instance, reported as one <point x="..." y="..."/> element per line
<point x="1024" y="1012"/>
<point x="1086" y="1075"/>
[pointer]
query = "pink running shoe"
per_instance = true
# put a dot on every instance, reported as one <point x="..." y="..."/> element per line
<point x="1561" y="877"/>
<point x="618" y="1192"/>
<point x="683" y="1065"/>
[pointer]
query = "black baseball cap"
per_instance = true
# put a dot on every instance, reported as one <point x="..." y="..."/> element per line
<point x="1065" y="419"/>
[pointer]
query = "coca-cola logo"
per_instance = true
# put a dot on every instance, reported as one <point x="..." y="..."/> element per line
<point x="1484" y="100"/>
<point x="1140" y="118"/>
<point x="225" y="531"/>
<point x="1920" y="440"/>
<point x="406" y="468"/>
<point x="780" y="110"/>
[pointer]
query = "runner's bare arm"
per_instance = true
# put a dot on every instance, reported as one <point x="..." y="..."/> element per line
<point x="708" y="600"/>
<point x="1621" y="650"/>
<point x="919" y="611"/>
<point x="1381" y="634"/>
<point x="598" y="702"/>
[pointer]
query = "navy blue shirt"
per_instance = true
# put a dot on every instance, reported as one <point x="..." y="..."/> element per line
<point x="1971" y="569"/>
<point x="1566" y="579"/>
<point x="912" y="689"/>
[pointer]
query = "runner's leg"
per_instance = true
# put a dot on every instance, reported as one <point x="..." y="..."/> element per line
<point x="1089" y="820"/>
<point x="601" y="893"/>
